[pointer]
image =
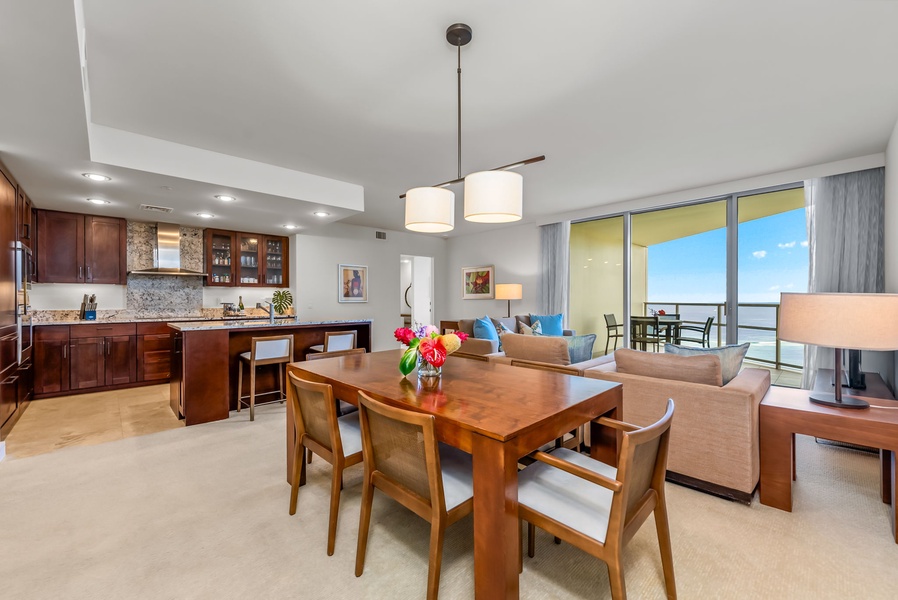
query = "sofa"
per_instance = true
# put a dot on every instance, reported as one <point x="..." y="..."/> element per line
<point x="548" y="352"/>
<point x="482" y="347"/>
<point x="714" y="434"/>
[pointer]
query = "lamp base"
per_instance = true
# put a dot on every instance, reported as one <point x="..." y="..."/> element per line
<point x="843" y="402"/>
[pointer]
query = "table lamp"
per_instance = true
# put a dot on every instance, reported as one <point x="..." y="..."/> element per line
<point x="855" y="321"/>
<point x="509" y="291"/>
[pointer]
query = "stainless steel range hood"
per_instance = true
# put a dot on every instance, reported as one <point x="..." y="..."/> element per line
<point x="168" y="253"/>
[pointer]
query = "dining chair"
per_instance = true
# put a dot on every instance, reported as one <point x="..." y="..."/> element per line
<point x="271" y="350"/>
<point x="614" y="331"/>
<point x="404" y="460"/>
<point x="337" y="440"/>
<point x="645" y="331"/>
<point x="334" y="353"/>
<point x="669" y="324"/>
<point x="336" y="340"/>
<point x="597" y="507"/>
<point x="704" y="337"/>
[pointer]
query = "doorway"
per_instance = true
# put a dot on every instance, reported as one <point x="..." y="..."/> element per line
<point x="416" y="289"/>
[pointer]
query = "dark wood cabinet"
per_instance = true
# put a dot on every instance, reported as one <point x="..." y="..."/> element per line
<point x="121" y="363"/>
<point x="9" y="394"/>
<point x="86" y="363"/>
<point x="75" y="248"/>
<point x="51" y="359"/>
<point x="24" y="231"/>
<point x="154" y="357"/>
<point x="236" y="259"/>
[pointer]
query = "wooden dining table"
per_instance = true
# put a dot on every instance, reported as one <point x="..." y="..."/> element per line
<point x="497" y="413"/>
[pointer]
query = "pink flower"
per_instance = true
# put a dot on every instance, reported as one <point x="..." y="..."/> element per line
<point x="461" y="335"/>
<point x="430" y="330"/>
<point x="404" y="335"/>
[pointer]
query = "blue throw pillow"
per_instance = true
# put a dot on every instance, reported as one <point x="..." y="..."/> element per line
<point x="730" y="356"/>
<point x="551" y="324"/>
<point x="485" y="330"/>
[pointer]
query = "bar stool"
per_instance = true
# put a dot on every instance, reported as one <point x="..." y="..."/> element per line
<point x="273" y="350"/>
<point x="335" y="340"/>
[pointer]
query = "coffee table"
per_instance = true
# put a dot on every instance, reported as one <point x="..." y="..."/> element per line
<point x="785" y="412"/>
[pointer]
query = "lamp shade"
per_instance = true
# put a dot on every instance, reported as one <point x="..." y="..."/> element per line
<point x="494" y="197"/>
<point x="429" y="210"/>
<point x="509" y="291"/>
<point x="855" y="321"/>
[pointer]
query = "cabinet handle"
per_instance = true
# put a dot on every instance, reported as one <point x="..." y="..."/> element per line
<point x="80" y="272"/>
<point x="65" y="350"/>
<point x="89" y="276"/>
<point x="108" y="346"/>
<point x="10" y="380"/>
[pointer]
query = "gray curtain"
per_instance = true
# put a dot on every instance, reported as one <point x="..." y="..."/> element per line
<point x="845" y="242"/>
<point x="555" y="252"/>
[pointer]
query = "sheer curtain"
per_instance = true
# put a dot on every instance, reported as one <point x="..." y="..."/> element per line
<point x="845" y="242"/>
<point x="555" y="253"/>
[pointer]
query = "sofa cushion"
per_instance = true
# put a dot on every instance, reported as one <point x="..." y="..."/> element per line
<point x="696" y="369"/>
<point x="551" y="324"/>
<point x="553" y="350"/>
<point x="580" y="347"/>
<point x="536" y="329"/>
<point x="730" y="356"/>
<point x="485" y="329"/>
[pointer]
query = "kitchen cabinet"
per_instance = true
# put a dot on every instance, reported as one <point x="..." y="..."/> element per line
<point x="102" y="355"/>
<point x="51" y="358"/>
<point x="154" y="351"/>
<point x="24" y="231"/>
<point x="74" y="248"/>
<point x="8" y="373"/>
<point x="237" y="259"/>
<point x="86" y="365"/>
<point x="7" y="252"/>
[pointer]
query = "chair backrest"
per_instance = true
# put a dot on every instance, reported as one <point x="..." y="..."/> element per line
<point x="610" y="321"/>
<point x="339" y="340"/>
<point x="708" y="323"/>
<point x="642" y="468"/>
<point x="272" y="348"/>
<point x="315" y="414"/>
<point x="320" y="355"/>
<point x="400" y="447"/>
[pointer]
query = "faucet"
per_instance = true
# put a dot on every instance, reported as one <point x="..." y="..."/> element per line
<point x="269" y="310"/>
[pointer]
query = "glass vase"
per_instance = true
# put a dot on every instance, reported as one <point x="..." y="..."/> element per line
<point x="425" y="369"/>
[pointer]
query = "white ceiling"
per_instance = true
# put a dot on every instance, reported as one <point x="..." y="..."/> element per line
<point x="626" y="99"/>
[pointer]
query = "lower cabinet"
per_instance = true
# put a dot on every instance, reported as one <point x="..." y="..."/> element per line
<point x="154" y="352"/>
<point x="86" y="365"/>
<point x="51" y="359"/>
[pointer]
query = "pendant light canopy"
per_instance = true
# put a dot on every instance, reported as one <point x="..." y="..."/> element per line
<point x="495" y="196"/>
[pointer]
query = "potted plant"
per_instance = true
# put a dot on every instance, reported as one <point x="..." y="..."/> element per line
<point x="282" y="300"/>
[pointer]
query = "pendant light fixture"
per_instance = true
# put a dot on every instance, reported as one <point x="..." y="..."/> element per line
<point x="494" y="196"/>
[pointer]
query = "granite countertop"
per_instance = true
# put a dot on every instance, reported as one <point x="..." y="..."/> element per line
<point x="243" y="324"/>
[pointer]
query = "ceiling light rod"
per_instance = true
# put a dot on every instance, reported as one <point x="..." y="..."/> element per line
<point x="508" y="167"/>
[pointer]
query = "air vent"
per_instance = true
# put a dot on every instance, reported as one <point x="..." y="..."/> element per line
<point x="381" y="235"/>
<point x="151" y="208"/>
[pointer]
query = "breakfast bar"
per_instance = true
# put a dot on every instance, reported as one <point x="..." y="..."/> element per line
<point x="205" y="355"/>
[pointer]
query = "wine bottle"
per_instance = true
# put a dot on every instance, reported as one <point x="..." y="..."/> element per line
<point x="240" y="304"/>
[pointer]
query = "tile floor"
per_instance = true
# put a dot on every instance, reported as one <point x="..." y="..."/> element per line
<point x="87" y="419"/>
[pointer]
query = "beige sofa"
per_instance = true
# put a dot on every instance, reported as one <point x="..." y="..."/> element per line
<point x="546" y="352"/>
<point x="714" y="434"/>
<point x="482" y="347"/>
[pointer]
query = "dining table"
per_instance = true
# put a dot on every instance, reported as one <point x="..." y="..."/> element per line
<point x="652" y="329"/>
<point x="497" y="413"/>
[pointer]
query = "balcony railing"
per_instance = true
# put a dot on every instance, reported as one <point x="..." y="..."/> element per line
<point x="719" y="325"/>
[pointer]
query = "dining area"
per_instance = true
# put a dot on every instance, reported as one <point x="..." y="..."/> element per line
<point x="478" y="420"/>
<point x="650" y="332"/>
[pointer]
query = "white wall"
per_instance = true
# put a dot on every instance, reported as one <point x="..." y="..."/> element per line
<point x="514" y="251"/>
<point x="68" y="296"/>
<point x="891" y="228"/>
<point x="315" y="281"/>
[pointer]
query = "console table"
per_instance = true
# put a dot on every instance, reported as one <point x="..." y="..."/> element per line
<point x="785" y="412"/>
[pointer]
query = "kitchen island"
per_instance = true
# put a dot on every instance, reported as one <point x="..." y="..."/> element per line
<point x="206" y="355"/>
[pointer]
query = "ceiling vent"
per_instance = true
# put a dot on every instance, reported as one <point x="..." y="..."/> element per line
<point x="380" y="235"/>
<point x="151" y="208"/>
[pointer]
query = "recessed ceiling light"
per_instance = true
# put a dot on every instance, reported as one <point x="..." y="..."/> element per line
<point x="321" y="213"/>
<point x="205" y="215"/>
<point x="291" y="226"/>
<point x="224" y="198"/>
<point x="97" y="201"/>
<point x="96" y="177"/>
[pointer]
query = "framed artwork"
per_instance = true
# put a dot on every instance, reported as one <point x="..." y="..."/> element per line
<point x="477" y="283"/>
<point x="353" y="283"/>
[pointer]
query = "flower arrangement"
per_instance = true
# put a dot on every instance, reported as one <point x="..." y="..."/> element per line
<point x="426" y="346"/>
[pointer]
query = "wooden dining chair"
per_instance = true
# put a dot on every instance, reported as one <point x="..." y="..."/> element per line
<point x="614" y="331"/>
<point x="404" y="460"/>
<point x="336" y="340"/>
<point x="599" y="508"/>
<point x="337" y="440"/>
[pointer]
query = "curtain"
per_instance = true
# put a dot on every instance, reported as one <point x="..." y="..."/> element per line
<point x="845" y="242"/>
<point x="555" y="253"/>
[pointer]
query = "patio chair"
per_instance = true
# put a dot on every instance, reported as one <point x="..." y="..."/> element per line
<point x="615" y="331"/>
<point x="705" y="333"/>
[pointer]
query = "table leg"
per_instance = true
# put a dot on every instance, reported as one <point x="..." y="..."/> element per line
<point x="776" y="463"/>
<point x="496" y="530"/>
<point x="794" y="462"/>
<point x="603" y="441"/>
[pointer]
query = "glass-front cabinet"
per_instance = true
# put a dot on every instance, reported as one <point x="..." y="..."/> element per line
<point x="246" y="259"/>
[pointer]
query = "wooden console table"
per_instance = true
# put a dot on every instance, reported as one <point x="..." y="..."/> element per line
<point x="785" y="412"/>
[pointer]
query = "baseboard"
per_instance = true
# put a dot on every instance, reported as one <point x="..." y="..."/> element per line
<point x="710" y="488"/>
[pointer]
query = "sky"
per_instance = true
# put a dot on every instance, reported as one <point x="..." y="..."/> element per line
<point x="773" y="258"/>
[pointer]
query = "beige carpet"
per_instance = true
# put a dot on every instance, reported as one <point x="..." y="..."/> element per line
<point x="201" y="512"/>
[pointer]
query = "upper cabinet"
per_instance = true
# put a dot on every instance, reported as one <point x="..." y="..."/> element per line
<point x="75" y="248"/>
<point x="246" y="259"/>
<point x="24" y="229"/>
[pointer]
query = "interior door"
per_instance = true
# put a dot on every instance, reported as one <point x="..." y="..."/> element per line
<point x="422" y="290"/>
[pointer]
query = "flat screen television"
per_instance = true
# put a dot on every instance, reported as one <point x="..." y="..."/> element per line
<point x="855" y="377"/>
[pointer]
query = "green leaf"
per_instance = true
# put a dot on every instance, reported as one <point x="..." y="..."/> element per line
<point x="412" y="345"/>
<point x="408" y="361"/>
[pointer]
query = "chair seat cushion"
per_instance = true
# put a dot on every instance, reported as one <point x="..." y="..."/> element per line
<point x="566" y="498"/>
<point x="458" y="482"/>
<point x="350" y="433"/>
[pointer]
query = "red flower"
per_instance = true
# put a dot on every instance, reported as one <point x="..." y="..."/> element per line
<point x="404" y="335"/>
<point x="661" y="312"/>
<point x="433" y="351"/>
<point x="461" y="335"/>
